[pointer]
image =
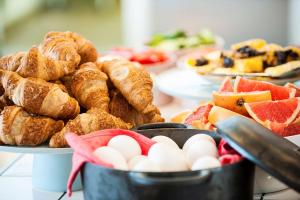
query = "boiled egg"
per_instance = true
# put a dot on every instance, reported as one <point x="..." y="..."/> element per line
<point x="135" y="160"/>
<point x="165" y="140"/>
<point x="206" y="162"/>
<point x="168" y="158"/>
<point x="200" y="148"/>
<point x="147" y="166"/>
<point x="126" y="145"/>
<point x="111" y="156"/>
<point x="198" y="137"/>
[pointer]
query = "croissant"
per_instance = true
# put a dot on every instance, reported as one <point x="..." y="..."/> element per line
<point x="38" y="96"/>
<point x="35" y="64"/>
<point x="134" y="83"/>
<point x="93" y="120"/>
<point x="20" y="128"/>
<point x="85" y="48"/>
<point x="119" y="107"/>
<point x="89" y="87"/>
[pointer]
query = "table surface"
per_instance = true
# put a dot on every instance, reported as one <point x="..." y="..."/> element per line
<point x="16" y="174"/>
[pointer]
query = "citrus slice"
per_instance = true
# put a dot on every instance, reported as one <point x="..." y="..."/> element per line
<point x="235" y="101"/>
<point x="201" y="113"/>
<point x="226" y="85"/>
<point x="217" y="114"/>
<point x="290" y="85"/>
<point x="267" y="112"/>
<point x="277" y="92"/>
<point x="286" y="130"/>
<point x="180" y="117"/>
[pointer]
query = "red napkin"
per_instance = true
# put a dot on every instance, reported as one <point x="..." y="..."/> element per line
<point x="85" y="145"/>
<point x="227" y="154"/>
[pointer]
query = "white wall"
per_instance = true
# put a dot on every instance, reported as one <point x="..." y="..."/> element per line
<point x="294" y="22"/>
<point x="235" y="20"/>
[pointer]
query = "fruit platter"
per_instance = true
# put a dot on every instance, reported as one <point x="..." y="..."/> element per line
<point x="181" y="42"/>
<point x="252" y="58"/>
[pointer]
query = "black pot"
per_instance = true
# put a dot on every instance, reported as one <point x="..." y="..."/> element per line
<point x="230" y="182"/>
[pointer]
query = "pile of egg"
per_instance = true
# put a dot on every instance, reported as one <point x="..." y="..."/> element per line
<point x="124" y="153"/>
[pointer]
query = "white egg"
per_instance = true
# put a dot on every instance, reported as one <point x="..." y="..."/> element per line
<point x="147" y="166"/>
<point x="112" y="156"/>
<point x="206" y="162"/>
<point x="165" y="140"/>
<point x="126" y="145"/>
<point x="168" y="158"/>
<point x="200" y="148"/>
<point x="197" y="137"/>
<point x="135" y="160"/>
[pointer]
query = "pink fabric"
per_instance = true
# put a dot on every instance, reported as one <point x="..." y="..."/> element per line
<point x="227" y="154"/>
<point x="85" y="145"/>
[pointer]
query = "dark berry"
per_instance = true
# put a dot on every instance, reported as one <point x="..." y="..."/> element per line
<point x="201" y="61"/>
<point x="281" y="57"/>
<point x="228" y="62"/>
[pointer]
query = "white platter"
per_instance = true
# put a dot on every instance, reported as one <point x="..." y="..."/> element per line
<point x="42" y="149"/>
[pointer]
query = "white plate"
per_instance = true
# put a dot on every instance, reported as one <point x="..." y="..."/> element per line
<point x="185" y="84"/>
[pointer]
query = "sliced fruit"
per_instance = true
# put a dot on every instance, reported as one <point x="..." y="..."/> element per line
<point x="286" y="130"/>
<point x="290" y="85"/>
<point x="180" y="118"/>
<point x="283" y="111"/>
<point x="217" y="114"/>
<point x="281" y="69"/>
<point x="277" y="92"/>
<point x="253" y="43"/>
<point x="226" y="85"/>
<point x="198" y="124"/>
<point x="235" y="101"/>
<point x="201" y="113"/>
<point x="248" y="65"/>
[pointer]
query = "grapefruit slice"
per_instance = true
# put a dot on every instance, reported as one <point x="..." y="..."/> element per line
<point x="235" y="101"/>
<point x="290" y="85"/>
<point x="286" y="130"/>
<point x="267" y="112"/>
<point x="201" y="113"/>
<point x="180" y="118"/>
<point x="277" y="92"/>
<point x="217" y="114"/>
<point x="226" y="85"/>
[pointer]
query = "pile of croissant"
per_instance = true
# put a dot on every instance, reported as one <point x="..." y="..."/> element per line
<point x="59" y="87"/>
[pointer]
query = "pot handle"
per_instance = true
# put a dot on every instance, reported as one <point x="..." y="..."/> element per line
<point x="160" y="125"/>
<point x="140" y="178"/>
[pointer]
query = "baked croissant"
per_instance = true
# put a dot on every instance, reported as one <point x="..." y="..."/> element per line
<point x="93" y="120"/>
<point x="89" y="87"/>
<point x="34" y="64"/>
<point x="119" y="107"/>
<point x="85" y="48"/>
<point x="38" y="96"/>
<point x="4" y="101"/>
<point x="20" y="128"/>
<point x="134" y="83"/>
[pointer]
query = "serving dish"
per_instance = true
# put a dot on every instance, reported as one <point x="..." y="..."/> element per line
<point x="234" y="181"/>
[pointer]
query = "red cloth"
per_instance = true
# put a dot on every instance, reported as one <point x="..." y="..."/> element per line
<point x="85" y="145"/>
<point x="227" y="154"/>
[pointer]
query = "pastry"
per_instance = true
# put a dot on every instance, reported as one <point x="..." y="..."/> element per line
<point x="89" y="87"/>
<point x="93" y="120"/>
<point x="20" y="128"/>
<point x="134" y="83"/>
<point x="38" y="96"/>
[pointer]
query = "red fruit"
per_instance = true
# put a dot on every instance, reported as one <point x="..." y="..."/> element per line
<point x="226" y="85"/>
<point x="267" y="112"/>
<point x="201" y="113"/>
<point x="290" y="85"/>
<point x="286" y="130"/>
<point x="277" y="92"/>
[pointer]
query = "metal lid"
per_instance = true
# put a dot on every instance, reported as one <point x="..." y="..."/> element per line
<point x="274" y="154"/>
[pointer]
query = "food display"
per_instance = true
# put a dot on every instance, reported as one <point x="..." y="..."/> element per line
<point x="59" y="87"/>
<point x="252" y="57"/>
<point x="275" y="107"/>
<point x="180" y="39"/>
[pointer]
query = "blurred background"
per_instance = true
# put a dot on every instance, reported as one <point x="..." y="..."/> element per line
<point x="109" y="23"/>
